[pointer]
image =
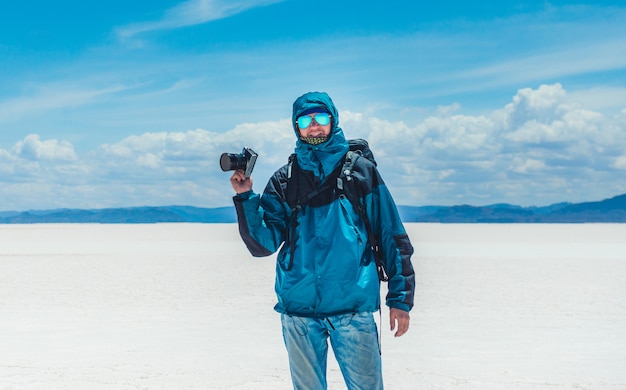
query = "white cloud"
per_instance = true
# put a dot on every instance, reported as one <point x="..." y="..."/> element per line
<point x="546" y="118"/>
<point x="192" y="12"/>
<point x="539" y="149"/>
<point x="620" y="162"/>
<point x="521" y="165"/>
<point x="543" y="105"/>
<point x="33" y="148"/>
<point x="600" y="98"/>
<point x="534" y="132"/>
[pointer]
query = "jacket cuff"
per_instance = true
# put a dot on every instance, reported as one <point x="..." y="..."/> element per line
<point x="243" y="196"/>
<point x="399" y="305"/>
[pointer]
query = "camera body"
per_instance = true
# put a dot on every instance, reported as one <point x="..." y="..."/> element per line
<point x="244" y="160"/>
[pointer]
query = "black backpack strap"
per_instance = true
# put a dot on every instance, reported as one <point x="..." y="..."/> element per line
<point x="291" y="191"/>
<point x="346" y="183"/>
<point x="291" y="194"/>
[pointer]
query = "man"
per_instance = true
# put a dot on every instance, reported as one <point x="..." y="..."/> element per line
<point x="327" y="281"/>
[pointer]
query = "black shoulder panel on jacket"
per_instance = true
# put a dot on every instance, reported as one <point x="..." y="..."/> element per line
<point x="366" y="175"/>
<point x="256" y="249"/>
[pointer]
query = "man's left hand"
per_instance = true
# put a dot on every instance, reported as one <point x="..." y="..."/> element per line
<point x="401" y="319"/>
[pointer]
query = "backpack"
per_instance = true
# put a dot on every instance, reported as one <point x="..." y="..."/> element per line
<point x="346" y="185"/>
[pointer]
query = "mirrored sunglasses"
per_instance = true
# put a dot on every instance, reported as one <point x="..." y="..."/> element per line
<point x="321" y="118"/>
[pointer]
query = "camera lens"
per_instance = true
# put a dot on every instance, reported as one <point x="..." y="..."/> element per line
<point x="226" y="161"/>
<point x="231" y="162"/>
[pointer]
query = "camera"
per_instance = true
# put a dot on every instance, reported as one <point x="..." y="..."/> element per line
<point x="244" y="160"/>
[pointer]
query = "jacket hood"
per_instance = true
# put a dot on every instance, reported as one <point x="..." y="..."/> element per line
<point x="323" y="158"/>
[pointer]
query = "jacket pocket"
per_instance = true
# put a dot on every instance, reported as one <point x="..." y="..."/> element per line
<point x="356" y="234"/>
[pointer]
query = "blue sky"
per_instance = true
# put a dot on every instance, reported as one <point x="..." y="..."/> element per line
<point x="115" y="103"/>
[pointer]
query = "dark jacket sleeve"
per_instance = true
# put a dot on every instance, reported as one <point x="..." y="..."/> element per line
<point x="393" y="240"/>
<point x="262" y="218"/>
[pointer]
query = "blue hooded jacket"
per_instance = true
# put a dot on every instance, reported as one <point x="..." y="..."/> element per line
<point x="333" y="269"/>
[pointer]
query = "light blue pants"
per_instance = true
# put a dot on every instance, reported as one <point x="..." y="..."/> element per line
<point x="354" y="339"/>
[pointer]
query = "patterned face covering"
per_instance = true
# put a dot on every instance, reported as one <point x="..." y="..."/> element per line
<point x="314" y="140"/>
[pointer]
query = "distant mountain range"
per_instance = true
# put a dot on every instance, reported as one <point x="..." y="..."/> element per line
<point x="608" y="210"/>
